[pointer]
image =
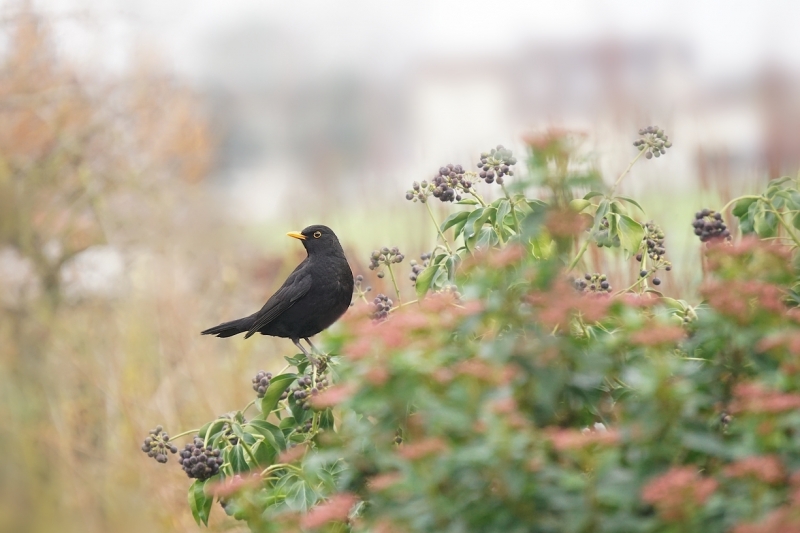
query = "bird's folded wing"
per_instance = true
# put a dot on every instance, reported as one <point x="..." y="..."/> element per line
<point x="293" y="289"/>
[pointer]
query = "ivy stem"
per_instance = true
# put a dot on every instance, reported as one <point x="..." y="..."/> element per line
<point x="477" y="197"/>
<point x="439" y="231"/>
<point x="249" y="451"/>
<point x="580" y="252"/>
<point x="183" y="434"/>
<point x="402" y="305"/>
<point x="513" y="209"/>
<point x="246" y="407"/>
<point x="394" y="281"/>
<point x="597" y="223"/>
<point x="625" y="172"/>
<point x="748" y="196"/>
<point x="783" y="223"/>
<point x="278" y="466"/>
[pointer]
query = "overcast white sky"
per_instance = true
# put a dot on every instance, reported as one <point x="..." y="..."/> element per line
<point x="726" y="37"/>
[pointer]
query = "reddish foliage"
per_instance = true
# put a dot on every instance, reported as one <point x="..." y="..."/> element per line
<point x="766" y="468"/>
<point x="335" y="509"/>
<point x="384" y="481"/>
<point x="561" y="302"/>
<point x="566" y="223"/>
<point x="423" y="448"/>
<point x="332" y="396"/>
<point x="655" y="335"/>
<point x="291" y="455"/>
<point x="574" y="439"/>
<point x="754" y="398"/>
<point x="678" y="492"/>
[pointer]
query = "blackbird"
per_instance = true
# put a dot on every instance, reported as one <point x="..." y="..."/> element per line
<point x="312" y="298"/>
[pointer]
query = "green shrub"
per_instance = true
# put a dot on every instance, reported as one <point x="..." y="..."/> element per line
<point x="513" y="397"/>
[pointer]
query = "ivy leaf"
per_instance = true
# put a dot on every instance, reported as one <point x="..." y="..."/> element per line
<point x="579" y="205"/>
<point x="467" y="201"/>
<point x="270" y="432"/>
<point x="472" y="219"/>
<point x="425" y="278"/>
<point x="592" y="194"/>
<point x="277" y="385"/>
<point x="235" y="456"/>
<point x="741" y="207"/>
<point x="630" y="233"/>
<point x="199" y="502"/>
<point x="503" y="209"/>
<point x="453" y="220"/>
<point x="765" y="222"/>
<point x="630" y="201"/>
<point x="300" y="496"/>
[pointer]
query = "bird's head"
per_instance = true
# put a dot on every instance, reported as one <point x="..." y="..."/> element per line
<point x="318" y="239"/>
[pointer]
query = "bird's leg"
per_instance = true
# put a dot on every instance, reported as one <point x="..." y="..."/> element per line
<point x="311" y="358"/>
<point x="313" y="348"/>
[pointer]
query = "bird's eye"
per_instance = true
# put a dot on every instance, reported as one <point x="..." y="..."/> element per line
<point x="317" y="234"/>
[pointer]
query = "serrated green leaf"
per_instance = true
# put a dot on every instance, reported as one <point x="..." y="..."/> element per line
<point x="630" y="233"/>
<point x="199" y="502"/>
<point x="424" y="280"/>
<point x="277" y="385"/>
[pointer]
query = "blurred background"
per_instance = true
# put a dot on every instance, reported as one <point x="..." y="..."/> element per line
<point x="154" y="154"/>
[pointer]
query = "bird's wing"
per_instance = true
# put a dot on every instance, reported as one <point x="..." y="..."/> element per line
<point x="295" y="287"/>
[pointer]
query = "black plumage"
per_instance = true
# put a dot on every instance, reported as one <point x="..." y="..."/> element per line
<point x="312" y="298"/>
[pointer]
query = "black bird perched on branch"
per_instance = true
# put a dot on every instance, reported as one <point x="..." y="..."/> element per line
<point x="312" y="298"/>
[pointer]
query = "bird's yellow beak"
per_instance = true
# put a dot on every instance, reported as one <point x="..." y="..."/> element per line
<point x="296" y="235"/>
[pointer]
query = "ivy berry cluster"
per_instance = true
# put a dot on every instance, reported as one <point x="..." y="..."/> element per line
<point x="654" y="141"/>
<point x="498" y="161"/>
<point x="593" y="283"/>
<point x="418" y="267"/>
<point x="261" y="382"/>
<point x="385" y="256"/>
<point x="199" y="461"/>
<point x="157" y="444"/>
<point x="382" y="304"/>
<point x="708" y="225"/>
<point x="304" y="389"/>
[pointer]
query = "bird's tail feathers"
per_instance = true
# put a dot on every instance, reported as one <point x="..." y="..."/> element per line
<point x="229" y="329"/>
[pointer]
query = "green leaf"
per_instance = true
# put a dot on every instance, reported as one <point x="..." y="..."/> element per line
<point x="199" y="502"/>
<point x="602" y="211"/>
<point x="300" y="495"/>
<point x="630" y="233"/>
<point x="469" y="227"/>
<point x="592" y="194"/>
<point x="467" y="201"/>
<point x="277" y="385"/>
<point x="214" y="431"/>
<point x="235" y="456"/>
<point x="424" y="280"/>
<point x="579" y="205"/>
<point x="271" y="433"/>
<point x="741" y="207"/>
<point x="453" y="220"/>
<point x="503" y="209"/>
<point x="630" y="201"/>
<point x="765" y="222"/>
